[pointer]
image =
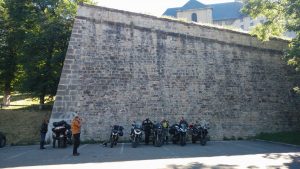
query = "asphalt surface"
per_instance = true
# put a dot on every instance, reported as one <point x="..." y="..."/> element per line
<point x="214" y="155"/>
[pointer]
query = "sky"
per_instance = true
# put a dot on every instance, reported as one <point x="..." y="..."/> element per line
<point x="151" y="7"/>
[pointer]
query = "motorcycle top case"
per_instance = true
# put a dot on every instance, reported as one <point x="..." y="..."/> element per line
<point x="59" y="129"/>
<point x="59" y="123"/>
<point x="119" y="129"/>
<point x="62" y="123"/>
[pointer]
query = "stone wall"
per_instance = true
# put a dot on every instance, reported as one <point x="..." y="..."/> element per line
<point x="122" y="67"/>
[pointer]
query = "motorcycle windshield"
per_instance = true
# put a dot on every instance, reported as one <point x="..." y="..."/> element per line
<point x="138" y="125"/>
<point x="183" y="127"/>
<point x="158" y="126"/>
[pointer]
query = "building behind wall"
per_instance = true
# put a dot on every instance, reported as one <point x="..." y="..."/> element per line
<point x="223" y="14"/>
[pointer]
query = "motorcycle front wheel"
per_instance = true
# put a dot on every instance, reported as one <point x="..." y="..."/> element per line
<point x="203" y="141"/>
<point x="182" y="139"/>
<point x="194" y="139"/>
<point x="134" y="143"/>
<point x="158" y="141"/>
<point x="112" y="141"/>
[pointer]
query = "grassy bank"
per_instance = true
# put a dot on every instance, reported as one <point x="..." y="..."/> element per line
<point x="292" y="137"/>
<point x="25" y="101"/>
<point x="21" y="127"/>
<point x="21" y="121"/>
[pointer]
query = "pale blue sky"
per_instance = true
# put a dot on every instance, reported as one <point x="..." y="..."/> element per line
<point x="152" y="7"/>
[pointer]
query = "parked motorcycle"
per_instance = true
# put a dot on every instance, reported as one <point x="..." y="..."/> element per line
<point x="136" y="134"/>
<point x="61" y="133"/>
<point x="199" y="132"/>
<point x="115" y="133"/>
<point x="178" y="133"/>
<point x="157" y="135"/>
<point x="2" y="140"/>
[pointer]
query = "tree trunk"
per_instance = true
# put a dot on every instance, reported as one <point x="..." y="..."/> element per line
<point x="7" y="94"/>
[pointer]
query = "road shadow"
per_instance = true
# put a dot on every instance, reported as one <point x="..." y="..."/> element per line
<point x="201" y="166"/>
<point x="96" y="153"/>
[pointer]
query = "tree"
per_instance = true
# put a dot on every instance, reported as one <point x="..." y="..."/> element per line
<point x="12" y="34"/>
<point x="46" y="45"/>
<point x="34" y="43"/>
<point x="282" y="16"/>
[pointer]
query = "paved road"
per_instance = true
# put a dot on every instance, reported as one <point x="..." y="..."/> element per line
<point x="215" y="155"/>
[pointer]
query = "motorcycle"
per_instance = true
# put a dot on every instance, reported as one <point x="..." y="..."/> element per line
<point x="62" y="133"/>
<point x="199" y="132"/>
<point x="2" y="140"/>
<point x="69" y="134"/>
<point x="178" y="133"/>
<point x="157" y="135"/>
<point x="115" y="133"/>
<point x="136" y="134"/>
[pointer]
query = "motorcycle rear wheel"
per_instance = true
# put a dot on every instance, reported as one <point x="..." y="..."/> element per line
<point x="134" y="144"/>
<point x="2" y="140"/>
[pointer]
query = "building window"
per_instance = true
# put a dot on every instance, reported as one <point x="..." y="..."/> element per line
<point x="242" y="26"/>
<point x="251" y="24"/>
<point x="261" y="21"/>
<point x="241" y="20"/>
<point x="194" y="17"/>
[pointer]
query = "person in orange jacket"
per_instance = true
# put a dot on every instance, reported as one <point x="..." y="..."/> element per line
<point x="75" y="127"/>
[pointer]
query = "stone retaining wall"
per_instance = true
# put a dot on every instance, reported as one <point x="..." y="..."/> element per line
<point x="122" y="67"/>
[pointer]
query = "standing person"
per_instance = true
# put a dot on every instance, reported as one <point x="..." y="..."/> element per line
<point x="165" y="125"/>
<point x="147" y="125"/>
<point x="182" y="121"/>
<point x="75" y="127"/>
<point x="43" y="131"/>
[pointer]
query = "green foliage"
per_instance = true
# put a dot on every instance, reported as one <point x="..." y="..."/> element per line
<point x="33" y="43"/>
<point x="275" y="13"/>
<point x="282" y="16"/>
<point x="12" y="35"/>
<point x="292" y="137"/>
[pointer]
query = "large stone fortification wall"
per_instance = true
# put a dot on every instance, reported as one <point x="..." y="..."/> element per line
<point x="123" y="66"/>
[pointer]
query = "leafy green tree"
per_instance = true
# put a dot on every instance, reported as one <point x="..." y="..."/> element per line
<point x="282" y="16"/>
<point x="46" y="44"/>
<point x="34" y="43"/>
<point x="12" y="35"/>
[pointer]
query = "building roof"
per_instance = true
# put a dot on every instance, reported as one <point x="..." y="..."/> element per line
<point x="223" y="11"/>
<point x="192" y="4"/>
<point x="171" y="12"/>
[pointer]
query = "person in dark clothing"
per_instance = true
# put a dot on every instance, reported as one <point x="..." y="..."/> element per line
<point x="43" y="131"/>
<point x="182" y="121"/>
<point x="147" y="126"/>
